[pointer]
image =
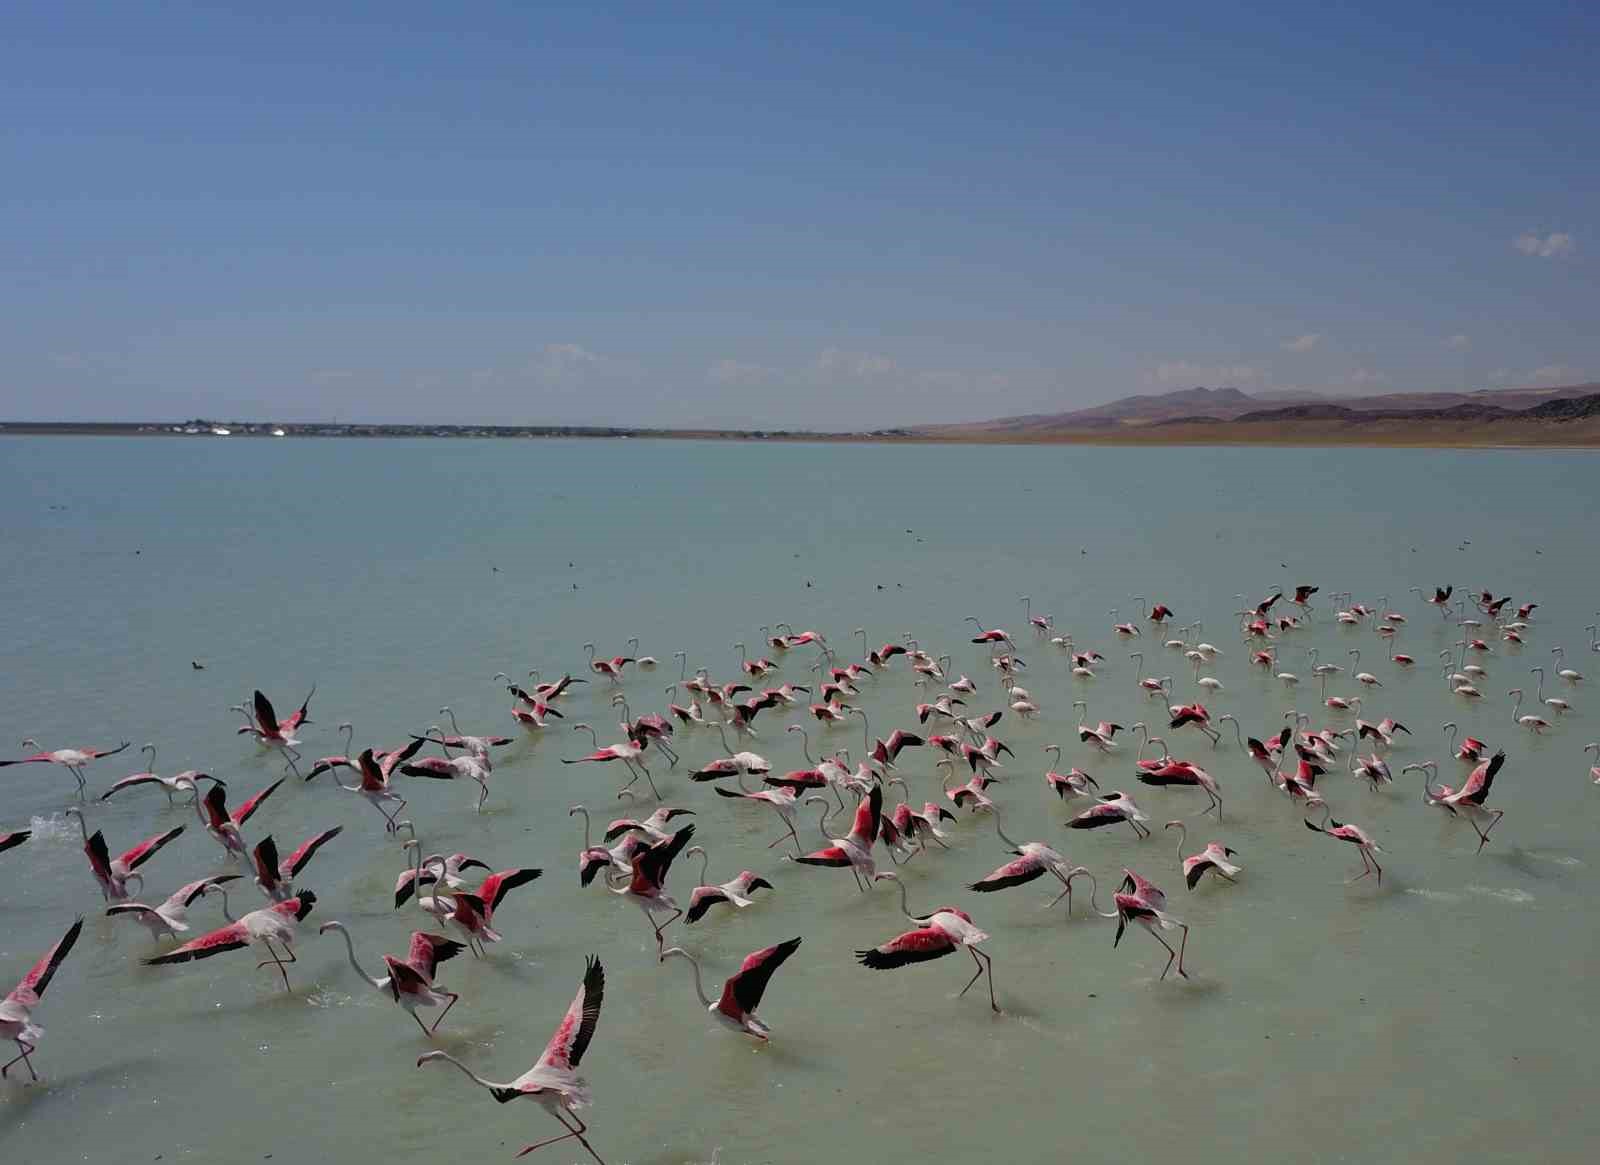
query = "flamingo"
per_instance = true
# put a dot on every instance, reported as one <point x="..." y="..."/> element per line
<point x="410" y="981"/>
<point x="647" y="888"/>
<point x="1594" y="772"/>
<point x="276" y="923"/>
<point x="1141" y="901"/>
<point x="71" y="759"/>
<point x="223" y="826"/>
<point x="944" y="932"/>
<point x="550" y="693"/>
<point x="783" y="801"/>
<point x="275" y="879"/>
<point x="1197" y="715"/>
<point x="1182" y="772"/>
<point x="1440" y="599"/>
<point x="1074" y="783"/>
<point x="1363" y="677"/>
<point x="741" y="994"/>
<point x="629" y="752"/>
<point x="610" y="668"/>
<point x="1534" y="724"/>
<point x="1560" y="705"/>
<point x="855" y="850"/>
<point x="114" y="874"/>
<point x="973" y="790"/>
<point x="172" y="916"/>
<point x="645" y="661"/>
<point x="553" y="1081"/>
<point x="735" y="764"/>
<point x="469" y="766"/>
<point x="1034" y="859"/>
<point x="1468" y="801"/>
<point x="374" y="786"/>
<point x="1112" y="809"/>
<point x="269" y="731"/>
<point x="1353" y="834"/>
<point x="187" y="781"/>
<point x="706" y="895"/>
<point x="16" y="1010"/>
<point x="475" y="744"/>
<point x="1039" y="623"/>
<point x="594" y="858"/>
<point x="1213" y="859"/>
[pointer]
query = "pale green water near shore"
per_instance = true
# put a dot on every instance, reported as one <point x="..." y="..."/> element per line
<point x="1447" y="1015"/>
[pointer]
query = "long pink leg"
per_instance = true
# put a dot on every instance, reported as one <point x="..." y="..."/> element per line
<point x="453" y="997"/>
<point x="23" y="1050"/>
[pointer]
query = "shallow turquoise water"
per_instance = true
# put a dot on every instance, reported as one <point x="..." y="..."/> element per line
<point x="1443" y="1015"/>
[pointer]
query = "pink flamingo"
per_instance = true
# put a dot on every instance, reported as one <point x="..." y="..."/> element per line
<point x="1034" y="859"/>
<point x="944" y="932"/>
<point x="374" y="787"/>
<point x="275" y="879"/>
<point x="1213" y="859"/>
<point x="114" y="874"/>
<point x="276" y="923"/>
<point x="187" y="781"/>
<point x="784" y="801"/>
<point x="222" y="825"/>
<point x="16" y="1010"/>
<point x="1186" y="773"/>
<point x="594" y="858"/>
<point x="71" y="759"/>
<point x="14" y="839"/>
<point x="855" y="850"/>
<point x="469" y="766"/>
<point x="1354" y="834"/>
<point x="1141" y="901"/>
<point x="706" y="895"/>
<point x="265" y="726"/>
<point x="647" y="888"/>
<point x="410" y="981"/>
<point x="629" y="752"/>
<point x="610" y="668"/>
<point x="1113" y="808"/>
<point x="1469" y="800"/>
<point x="172" y="916"/>
<point x="741" y="994"/>
<point x="553" y="1080"/>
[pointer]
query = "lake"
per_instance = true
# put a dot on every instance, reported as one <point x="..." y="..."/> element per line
<point x="1443" y="1015"/>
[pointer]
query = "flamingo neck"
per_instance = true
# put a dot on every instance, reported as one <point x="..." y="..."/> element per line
<point x="699" y="987"/>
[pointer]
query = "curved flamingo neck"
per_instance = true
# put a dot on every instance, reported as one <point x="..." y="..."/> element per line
<point x="350" y="950"/>
<point x="694" y="965"/>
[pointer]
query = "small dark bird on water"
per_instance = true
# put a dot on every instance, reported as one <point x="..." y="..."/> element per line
<point x="197" y="665"/>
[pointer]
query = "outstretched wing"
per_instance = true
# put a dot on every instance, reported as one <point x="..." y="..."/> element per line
<point x="266" y="855"/>
<point x="914" y="946"/>
<point x="225" y="938"/>
<point x="746" y="988"/>
<point x="35" y="981"/>
<point x="13" y="840"/>
<point x="1013" y="873"/>
<point x="655" y="861"/>
<point x="429" y="950"/>
<point x="243" y="813"/>
<point x="186" y="894"/>
<point x="572" y="1036"/>
<point x="308" y="848"/>
<point x="266" y="715"/>
<point x="495" y="887"/>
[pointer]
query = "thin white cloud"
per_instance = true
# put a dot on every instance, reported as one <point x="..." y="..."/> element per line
<point x="838" y="363"/>
<point x="1556" y="374"/>
<point x="1460" y="341"/>
<point x="1190" y="375"/>
<point x="1302" y="343"/>
<point x="1363" y="377"/>
<point x="728" y="371"/>
<point x="1555" y="245"/>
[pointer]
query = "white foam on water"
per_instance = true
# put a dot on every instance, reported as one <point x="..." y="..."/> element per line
<point x="1558" y="859"/>
<point x="1504" y="894"/>
<point x="1434" y="895"/>
<point x="56" y="827"/>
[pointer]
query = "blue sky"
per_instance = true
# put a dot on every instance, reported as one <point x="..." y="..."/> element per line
<point x="710" y="214"/>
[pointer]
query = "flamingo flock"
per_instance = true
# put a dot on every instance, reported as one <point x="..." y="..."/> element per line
<point x="724" y="724"/>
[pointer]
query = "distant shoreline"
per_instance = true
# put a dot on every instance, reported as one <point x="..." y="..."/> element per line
<point x="1573" y="435"/>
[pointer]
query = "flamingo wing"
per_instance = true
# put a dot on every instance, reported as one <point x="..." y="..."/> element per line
<point x="1014" y="873"/>
<point x="99" y="857"/>
<point x="299" y="716"/>
<point x="216" y="803"/>
<point x="429" y="950"/>
<point x="308" y="849"/>
<point x="1479" y="783"/>
<point x="399" y="756"/>
<point x="38" y="978"/>
<point x="703" y="899"/>
<point x="186" y="894"/>
<point x="914" y="946"/>
<point x="266" y="715"/>
<point x="869" y="813"/>
<point x="653" y="863"/>
<point x="232" y="937"/>
<point x="832" y="856"/>
<point x="130" y="782"/>
<point x="245" y="811"/>
<point x="744" y="989"/>
<point x="576" y="1029"/>
<point x="266" y="859"/>
<point x="404" y="979"/>
<point x="495" y="887"/>
<point x="13" y="840"/>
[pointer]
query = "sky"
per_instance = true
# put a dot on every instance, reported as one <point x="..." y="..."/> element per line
<point x="698" y="214"/>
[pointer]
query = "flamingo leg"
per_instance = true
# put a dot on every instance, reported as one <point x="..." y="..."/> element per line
<point x="976" y="974"/>
<point x="566" y="1136"/>
<point x="23" y="1050"/>
<point x="1483" y="834"/>
<point x="1172" y="955"/>
<point x="277" y="961"/>
<point x="453" y="997"/>
<point x="420" y="1024"/>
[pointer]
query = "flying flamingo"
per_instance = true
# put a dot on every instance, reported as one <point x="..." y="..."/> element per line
<point x="71" y="759"/>
<point x="475" y="744"/>
<point x="706" y="895"/>
<point x="1033" y="860"/>
<point x="223" y="826"/>
<point x="275" y="879"/>
<point x="594" y="858"/>
<point x="741" y="994"/>
<point x="735" y="764"/>
<point x="172" y="916"/>
<point x="944" y="932"/>
<point x="854" y="851"/>
<point x="374" y="786"/>
<point x="647" y="888"/>
<point x="187" y="781"/>
<point x="1112" y="809"/>
<point x="553" y="1080"/>
<point x="1353" y="834"/>
<point x="629" y="752"/>
<point x="410" y="981"/>
<point x="1440" y="599"/>
<point x="271" y="732"/>
<point x="1141" y="901"/>
<point x="784" y="802"/>
<point x="1212" y="859"/>
<point x="1182" y="772"/>
<point x="114" y="874"/>
<point x="16" y="1010"/>
<point x="276" y="923"/>
<point x="469" y="766"/>
<point x="1468" y="801"/>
